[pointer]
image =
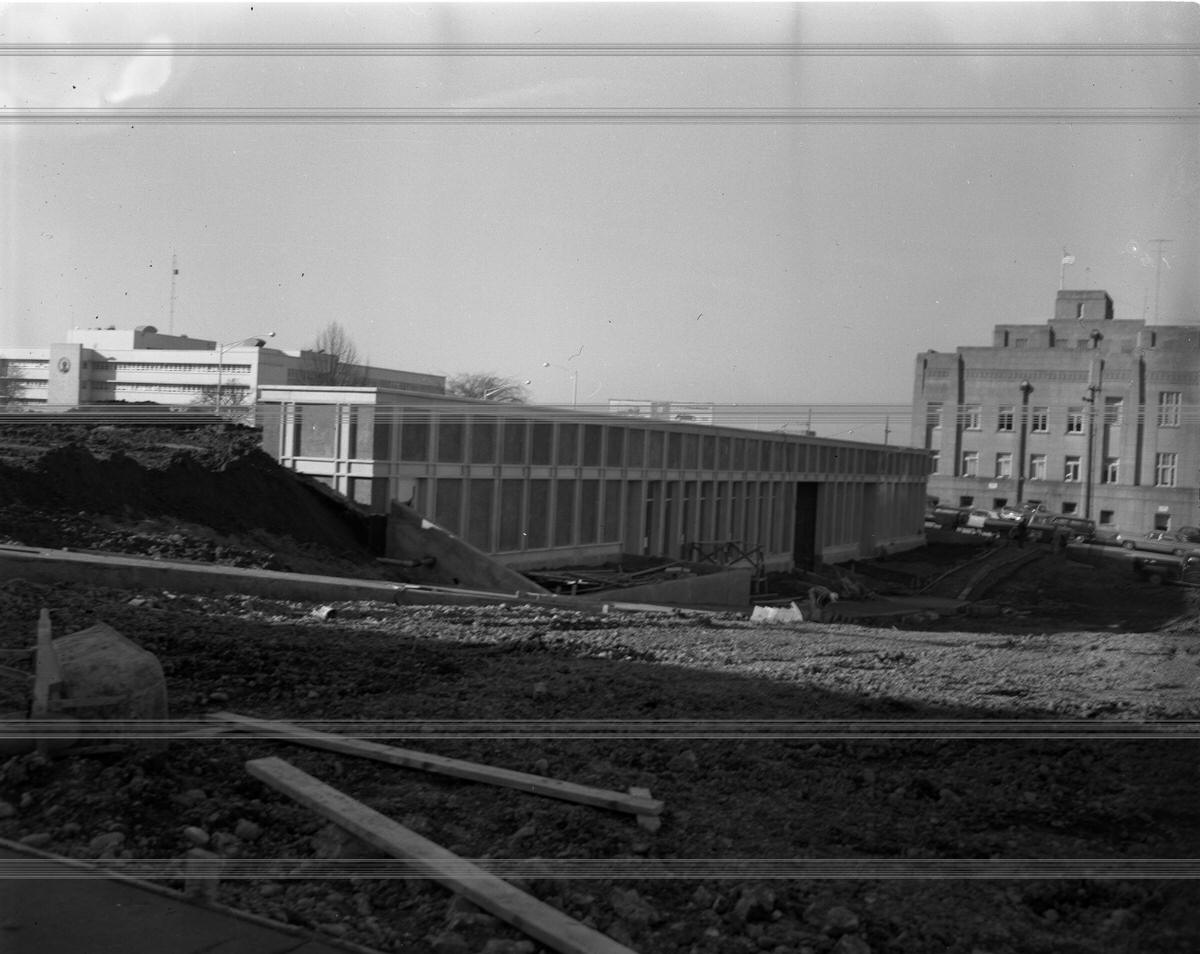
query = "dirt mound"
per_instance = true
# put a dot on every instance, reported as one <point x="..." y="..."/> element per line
<point x="71" y="485"/>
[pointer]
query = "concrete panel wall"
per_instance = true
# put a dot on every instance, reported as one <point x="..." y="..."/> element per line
<point x="514" y="480"/>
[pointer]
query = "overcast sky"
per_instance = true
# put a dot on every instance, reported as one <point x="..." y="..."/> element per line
<point x="656" y="253"/>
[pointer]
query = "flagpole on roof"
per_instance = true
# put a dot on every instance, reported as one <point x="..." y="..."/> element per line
<point x="1062" y="268"/>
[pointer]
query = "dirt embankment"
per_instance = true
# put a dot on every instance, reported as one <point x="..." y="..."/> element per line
<point x="207" y="493"/>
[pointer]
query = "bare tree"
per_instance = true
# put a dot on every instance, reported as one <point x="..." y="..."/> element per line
<point x="333" y="360"/>
<point x="486" y="386"/>
<point x="234" y="401"/>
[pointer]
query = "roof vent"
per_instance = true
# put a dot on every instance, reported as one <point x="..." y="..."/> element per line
<point x="146" y="330"/>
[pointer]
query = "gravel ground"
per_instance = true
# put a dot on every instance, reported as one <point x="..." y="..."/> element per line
<point x="728" y="800"/>
<point x="743" y="812"/>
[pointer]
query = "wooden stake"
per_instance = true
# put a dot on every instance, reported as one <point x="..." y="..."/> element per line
<point x="47" y="679"/>
<point x="540" y="921"/>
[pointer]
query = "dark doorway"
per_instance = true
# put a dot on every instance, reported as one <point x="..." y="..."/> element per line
<point x="804" y="541"/>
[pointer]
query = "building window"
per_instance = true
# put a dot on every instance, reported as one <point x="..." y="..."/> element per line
<point x="966" y="501"/>
<point x="971" y="417"/>
<point x="935" y="462"/>
<point x="1074" y="420"/>
<point x="1169" y="403"/>
<point x="1106" y="518"/>
<point x="1112" y="470"/>
<point x="1114" y="410"/>
<point x="970" y="463"/>
<point x="1004" y="462"/>
<point x="1069" y="506"/>
<point x="1071" y="469"/>
<point x="1039" y="420"/>
<point x="1037" y="466"/>
<point x="1164" y="470"/>
<point x="1004" y="419"/>
<point x="933" y="416"/>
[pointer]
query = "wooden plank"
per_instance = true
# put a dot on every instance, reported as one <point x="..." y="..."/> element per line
<point x="407" y="758"/>
<point x="540" y="921"/>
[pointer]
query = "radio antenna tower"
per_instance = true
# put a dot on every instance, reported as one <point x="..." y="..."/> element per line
<point x="174" y="272"/>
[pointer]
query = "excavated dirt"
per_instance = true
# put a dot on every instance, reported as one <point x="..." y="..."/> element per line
<point x="1054" y="642"/>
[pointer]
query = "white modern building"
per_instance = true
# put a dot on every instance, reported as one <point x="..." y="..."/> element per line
<point x="101" y="365"/>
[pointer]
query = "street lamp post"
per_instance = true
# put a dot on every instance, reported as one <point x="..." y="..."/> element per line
<point x="221" y="349"/>
<point x="503" y="387"/>
<point x="1026" y="387"/>
<point x="1089" y="472"/>
<point x="574" y="381"/>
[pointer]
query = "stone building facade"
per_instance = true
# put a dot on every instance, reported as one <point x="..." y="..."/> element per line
<point x="1087" y="414"/>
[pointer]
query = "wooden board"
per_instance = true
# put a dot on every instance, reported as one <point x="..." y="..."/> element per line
<point x="540" y="921"/>
<point x="407" y="758"/>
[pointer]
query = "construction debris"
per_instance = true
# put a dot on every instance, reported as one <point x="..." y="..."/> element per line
<point x="92" y="675"/>
<point x="777" y="614"/>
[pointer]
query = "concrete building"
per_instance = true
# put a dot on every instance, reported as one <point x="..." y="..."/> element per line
<point x="1086" y="413"/>
<point x="539" y="487"/>
<point x="662" y="410"/>
<point x="96" y="365"/>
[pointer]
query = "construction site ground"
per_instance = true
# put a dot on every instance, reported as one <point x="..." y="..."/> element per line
<point x="1050" y="642"/>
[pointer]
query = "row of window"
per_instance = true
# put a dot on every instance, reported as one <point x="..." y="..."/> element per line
<point x="1165" y="468"/>
<point x="207" y="368"/>
<point x="229" y="387"/>
<point x="970" y="416"/>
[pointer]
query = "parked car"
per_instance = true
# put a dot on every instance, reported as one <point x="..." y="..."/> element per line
<point x="946" y="518"/>
<point x="1190" y="534"/>
<point x="1043" y="526"/>
<point x="1158" y="541"/>
<point x="977" y="519"/>
<point x="1079" y="529"/>
<point x="1164" y="569"/>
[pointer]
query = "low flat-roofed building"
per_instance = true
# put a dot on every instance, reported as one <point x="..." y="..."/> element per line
<point x="541" y="486"/>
